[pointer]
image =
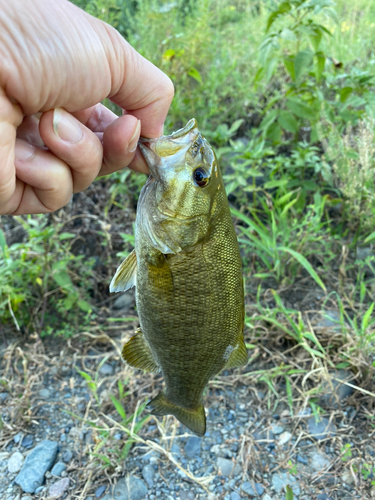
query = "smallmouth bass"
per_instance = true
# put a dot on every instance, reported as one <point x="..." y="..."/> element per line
<point x="186" y="267"/>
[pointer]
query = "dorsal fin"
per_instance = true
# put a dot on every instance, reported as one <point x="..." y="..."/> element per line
<point x="125" y="276"/>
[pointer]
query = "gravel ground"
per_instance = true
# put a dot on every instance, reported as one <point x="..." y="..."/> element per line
<point x="256" y="444"/>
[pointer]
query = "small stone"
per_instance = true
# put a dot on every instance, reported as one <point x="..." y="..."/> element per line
<point x="347" y="478"/>
<point x="175" y="450"/>
<point x="301" y="460"/>
<point x="124" y="301"/>
<point x="39" y="490"/>
<point x="26" y="497"/>
<point x="277" y="429"/>
<point x="148" y="474"/>
<point x="284" y="438"/>
<point x="15" y="462"/>
<point x="318" y="460"/>
<point x="234" y="496"/>
<point x="322" y="496"/>
<point x="334" y="390"/>
<point x="59" y="488"/>
<point x="267" y="497"/>
<point x="27" y="441"/>
<point x="3" y="396"/>
<point x="58" y="469"/>
<point x="193" y="446"/>
<point x="129" y="488"/>
<point x="17" y="438"/>
<point x="37" y="462"/>
<point x="227" y="467"/>
<point x="249" y="490"/>
<point x="99" y="491"/>
<point x="44" y="393"/>
<point x="67" y="456"/>
<point x="281" y="481"/>
<point x="330" y="319"/>
<point x="321" y="429"/>
<point x="106" y="369"/>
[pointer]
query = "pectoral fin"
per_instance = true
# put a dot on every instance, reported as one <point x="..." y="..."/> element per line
<point x="238" y="356"/>
<point x="136" y="352"/>
<point x="195" y="419"/>
<point x="125" y="275"/>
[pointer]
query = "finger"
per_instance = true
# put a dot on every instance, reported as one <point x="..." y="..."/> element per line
<point x="96" y="118"/>
<point x="29" y="130"/>
<point x="74" y="144"/>
<point x="10" y="118"/>
<point x="138" y="86"/>
<point x="120" y="141"/>
<point x="45" y="182"/>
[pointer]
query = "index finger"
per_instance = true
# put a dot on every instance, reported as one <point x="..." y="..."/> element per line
<point x="141" y="88"/>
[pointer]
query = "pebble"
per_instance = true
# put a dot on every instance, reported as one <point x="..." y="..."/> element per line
<point x="267" y="497"/>
<point x="227" y="467"/>
<point x="148" y="474"/>
<point x="99" y="491"/>
<point x="330" y="319"/>
<point x="128" y="488"/>
<point x="67" y="456"/>
<point x="125" y="300"/>
<point x="15" y="462"/>
<point x="318" y="460"/>
<point x="335" y="391"/>
<point x="187" y="495"/>
<point x="58" y="468"/>
<point x="44" y="393"/>
<point x="234" y="496"/>
<point x="193" y="446"/>
<point x="27" y="497"/>
<point x="322" y="496"/>
<point x="37" y="463"/>
<point x="249" y="490"/>
<point x="3" y="396"/>
<point x="347" y="477"/>
<point x="106" y="369"/>
<point x="284" y="438"/>
<point x="320" y="429"/>
<point x="39" y="490"/>
<point x="277" y="429"/>
<point x="59" y="488"/>
<point x="27" y="441"/>
<point x="280" y="481"/>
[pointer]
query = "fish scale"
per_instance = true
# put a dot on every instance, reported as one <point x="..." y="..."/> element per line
<point x="186" y="267"/>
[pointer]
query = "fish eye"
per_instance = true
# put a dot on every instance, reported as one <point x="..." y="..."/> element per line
<point x="200" y="177"/>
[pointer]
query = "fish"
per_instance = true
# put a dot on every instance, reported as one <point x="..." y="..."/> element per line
<point x="186" y="267"/>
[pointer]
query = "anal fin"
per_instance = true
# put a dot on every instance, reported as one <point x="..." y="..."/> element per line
<point x="238" y="356"/>
<point x="125" y="275"/>
<point x="195" y="419"/>
<point x="137" y="353"/>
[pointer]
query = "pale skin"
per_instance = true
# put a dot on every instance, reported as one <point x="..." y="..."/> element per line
<point x="56" y="64"/>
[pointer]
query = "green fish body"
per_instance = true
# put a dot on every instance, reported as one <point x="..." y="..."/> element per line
<point x="186" y="267"/>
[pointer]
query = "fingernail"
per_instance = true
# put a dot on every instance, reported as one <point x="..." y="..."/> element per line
<point x="23" y="150"/>
<point x="132" y="146"/>
<point x="65" y="126"/>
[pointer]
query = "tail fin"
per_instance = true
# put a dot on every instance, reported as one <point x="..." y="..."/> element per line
<point x="195" y="420"/>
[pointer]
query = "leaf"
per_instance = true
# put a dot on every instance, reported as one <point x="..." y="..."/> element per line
<point x="288" y="122"/>
<point x="119" y="407"/>
<point x="370" y="237"/>
<point x="289" y="493"/>
<point x="84" y="375"/>
<point x="306" y="264"/>
<point x="3" y="241"/>
<point x="345" y="93"/>
<point x="235" y="126"/>
<point x="84" y="305"/>
<point x="320" y="61"/>
<point x="66" y="236"/>
<point x="62" y="278"/>
<point x="168" y="54"/>
<point x="289" y="66"/>
<point x="301" y="62"/>
<point x="300" y="109"/>
<point x="268" y="119"/>
<point x="194" y="73"/>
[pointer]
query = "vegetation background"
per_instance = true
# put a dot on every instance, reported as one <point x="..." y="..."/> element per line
<point x="285" y="92"/>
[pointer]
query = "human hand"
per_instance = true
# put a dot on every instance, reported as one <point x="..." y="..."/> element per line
<point x="56" y="64"/>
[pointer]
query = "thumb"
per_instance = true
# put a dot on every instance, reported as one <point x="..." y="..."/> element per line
<point x="10" y="118"/>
